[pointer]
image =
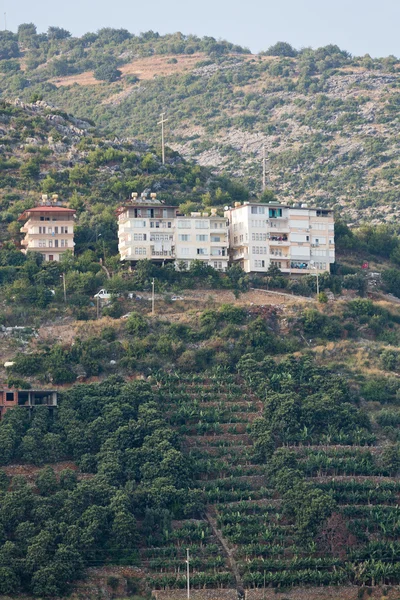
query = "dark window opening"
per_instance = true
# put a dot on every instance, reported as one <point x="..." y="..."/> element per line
<point x="9" y="396"/>
<point x="23" y="398"/>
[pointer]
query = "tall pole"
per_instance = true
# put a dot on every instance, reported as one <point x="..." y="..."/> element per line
<point x="64" y="287"/>
<point x="187" y="573"/>
<point x="152" y="296"/>
<point x="264" y="180"/>
<point x="162" y="136"/>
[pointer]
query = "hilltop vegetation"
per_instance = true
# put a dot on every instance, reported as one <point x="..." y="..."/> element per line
<point x="328" y="120"/>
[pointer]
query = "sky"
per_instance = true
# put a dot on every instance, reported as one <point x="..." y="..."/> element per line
<point x="358" y="26"/>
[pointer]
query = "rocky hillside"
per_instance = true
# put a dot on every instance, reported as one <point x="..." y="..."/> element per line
<point x="45" y="150"/>
<point x="329" y="121"/>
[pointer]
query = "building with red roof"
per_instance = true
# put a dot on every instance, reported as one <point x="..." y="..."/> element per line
<point x="48" y="228"/>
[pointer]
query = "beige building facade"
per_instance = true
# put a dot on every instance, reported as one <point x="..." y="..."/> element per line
<point x="149" y="229"/>
<point x="297" y="239"/>
<point x="49" y="229"/>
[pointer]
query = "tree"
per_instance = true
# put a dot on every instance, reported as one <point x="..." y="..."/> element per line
<point x="268" y="196"/>
<point x="281" y="49"/>
<point x="57" y="33"/>
<point x="107" y="73"/>
<point x="59" y="67"/>
<point x="8" y="49"/>
<point x="26" y="33"/>
<point x="9" y="582"/>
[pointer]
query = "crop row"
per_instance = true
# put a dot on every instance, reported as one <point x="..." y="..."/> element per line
<point x="169" y="551"/>
<point x="197" y="580"/>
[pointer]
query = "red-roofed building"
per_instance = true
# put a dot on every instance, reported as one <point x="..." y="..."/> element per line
<point x="48" y="228"/>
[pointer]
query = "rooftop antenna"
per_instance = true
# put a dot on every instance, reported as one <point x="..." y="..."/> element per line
<point x="162" y="136"/>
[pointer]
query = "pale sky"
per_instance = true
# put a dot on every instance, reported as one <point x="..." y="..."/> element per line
<point x="359" y="26"/>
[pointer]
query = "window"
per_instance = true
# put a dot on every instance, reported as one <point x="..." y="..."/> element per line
<point x="139" y="237"/>
<point x="274" y="213"/>
<point x="201" y="238"/>
<point x="201" y="224"/>
<point x="10" y="396"/>
<point x="138" y="224"/>
<point x="184" y="251"/>
<point x="42" y="229"/>
<point x="56" y="230"/>
<point x="215" y="238"/>
<point x="218" y="265"/>
<point x="42" y="243"/>
<point x="158" y="237"/>
<point x="64" y="243"/>
<point x="183" y="237"/>
<point x="202" y="251"/>
<point x="259" y="264"/>
<point x="55" y="243"/>
<point x="140" y="251"/>
<point x="184" y="224"/>
<point x="50" y="243"/>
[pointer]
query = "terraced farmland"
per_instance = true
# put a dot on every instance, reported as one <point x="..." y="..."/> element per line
<point x="247" y="538"/>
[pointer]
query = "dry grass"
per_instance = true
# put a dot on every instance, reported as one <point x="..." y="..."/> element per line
<point x="144" y="68"/>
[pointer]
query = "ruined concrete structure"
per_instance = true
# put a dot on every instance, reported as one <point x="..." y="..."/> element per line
<point x="26" y="398"/>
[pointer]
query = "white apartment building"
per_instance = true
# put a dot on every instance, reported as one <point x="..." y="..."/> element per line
<point x="149" y="229"/>
<point x="48" y="228"/>
<point x="298" y="239"/>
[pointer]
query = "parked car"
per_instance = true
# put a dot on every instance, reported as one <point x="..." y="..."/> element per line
<point x="103" y="295"/>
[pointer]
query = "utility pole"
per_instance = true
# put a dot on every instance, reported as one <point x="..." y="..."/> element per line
<point x="187" y="573"/>
<point x="264" y="180"/>
<point x="152" y="297"/>
<point x="312" y="264"/>
<point x="162" y="136"/>
<point x="64" y="287"/>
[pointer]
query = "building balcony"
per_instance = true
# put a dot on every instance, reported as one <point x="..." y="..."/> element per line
<point x="163" y="254"/>
<point x="50" y="236"/>
<point x="278" y="242"/>
<point x="37" y="248"/>
<point x="221" y="243"/>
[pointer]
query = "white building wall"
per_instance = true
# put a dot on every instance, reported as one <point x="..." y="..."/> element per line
<point x="178" y="238"/>
<point x="297" y="240"/>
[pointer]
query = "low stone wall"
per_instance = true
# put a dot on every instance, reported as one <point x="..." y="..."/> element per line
<point x="221" y="594"/>
<point x="325" y="593"/>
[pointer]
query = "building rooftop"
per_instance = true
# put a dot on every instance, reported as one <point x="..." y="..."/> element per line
<point x="297" y="206"/>
<point x="46" y="209"/>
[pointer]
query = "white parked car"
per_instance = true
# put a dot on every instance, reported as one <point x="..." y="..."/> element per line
<point x="103" y="295"/>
